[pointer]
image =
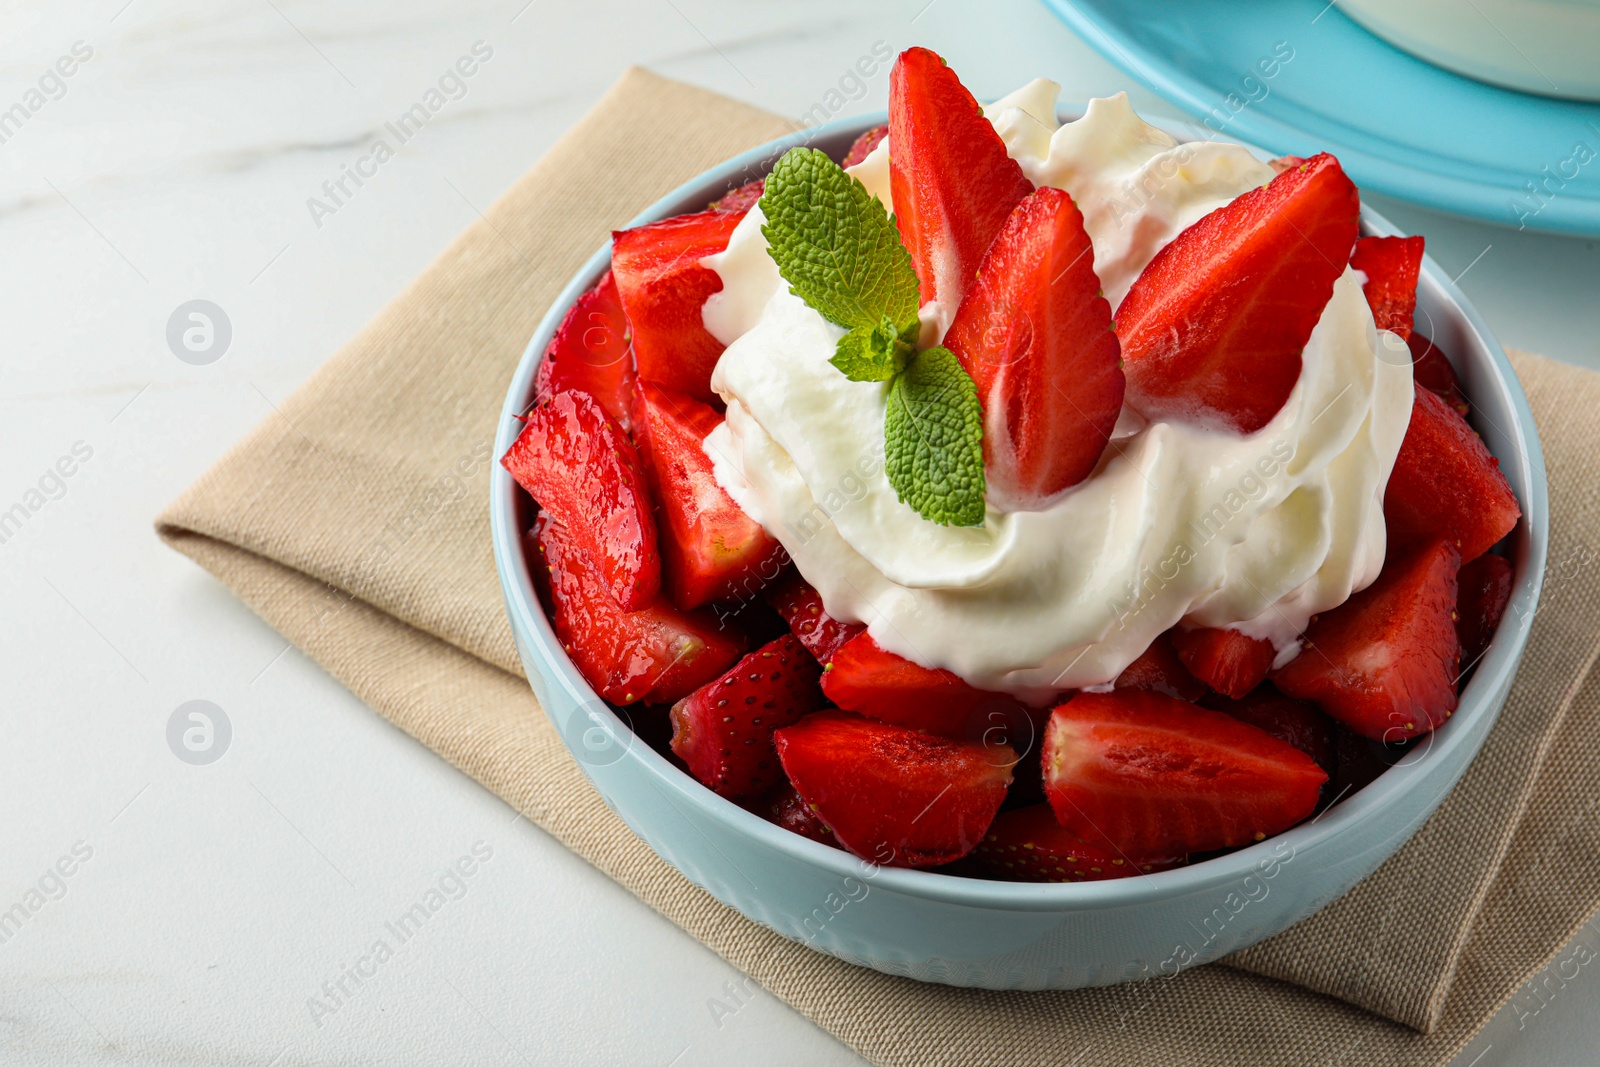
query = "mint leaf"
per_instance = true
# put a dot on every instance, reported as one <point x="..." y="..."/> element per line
<point x="835" y="244"/>
<point x="933" y="440"/>
<point x="872" y="354"/>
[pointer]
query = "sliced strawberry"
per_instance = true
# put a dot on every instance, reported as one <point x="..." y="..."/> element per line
<point x="663" y="287"/>
<point x="1292" y="721"/>
<point x="741" y="199"/>
<point x="1384" y="663"/>
<point x="951" y="181"/>
<point x="1484" y="592"/>
<point x="655" y="655"/>
<point x="1158" y="667"/>
<point x="590" y="353"/>
<point x="578" y="464"/>
<point x="789" y="810"/>
<point x="723" y="730"/>
<point x="1035" y="334"/>
<point x="1145" y="774"/>
<point x="894" y="796"/>
<point x="1213" y="328"/>
<point x="1392" y="266"/>
<point x="801" y="607"/>
<point x="1445" y="484"/>
<point x="1431" y="369"/>
<point x="1228" y="661"/>
<point x="713" y="550"/>
<point x="862" y="146"/>
<point x="1029" y="845"/>
<point x="864" y="677"/>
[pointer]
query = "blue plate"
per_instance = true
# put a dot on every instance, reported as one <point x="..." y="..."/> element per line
<point x="1298" y="77"/>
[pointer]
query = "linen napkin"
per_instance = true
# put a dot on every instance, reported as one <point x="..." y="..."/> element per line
<point x="355" y="521"/>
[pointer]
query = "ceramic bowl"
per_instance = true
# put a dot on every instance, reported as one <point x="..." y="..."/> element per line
<point x="1004" y="935"/>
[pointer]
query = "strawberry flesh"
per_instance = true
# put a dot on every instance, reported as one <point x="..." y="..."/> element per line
<point x="590" y="353"/>
<point x="894" y="796"/>
<point x="862" y="146"/>
<point x="663" y="287"/>
<point x="723" y="730"/>
<point x="577" y="463"/>
<point x="1159" y="668"/>
<point x="1384" y="663"/>
<point x="801" y="607"/>
<point x="789" y="810"/>
<point x="712" y="550"/>
<point x="1485" y="590"/>
<point x="1445" y="484"/>
<point x="865" y="678"/>
<point x="1392" y="266"/>
<point x="741" y="199"/>
<point x="1144" y="774"/>
<point x="950" y="178"/>
<point x="1228" y="661"/>
<point x="1291" y="721"/>
<point x="1035" y="334"/>
<point x="656" y="655"/>
<point x="1213" y="328"/>
<point x="1431" y="369"/>
<point x="1029" y="845"/>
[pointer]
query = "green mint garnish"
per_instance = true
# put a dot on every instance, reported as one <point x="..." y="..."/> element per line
<point x="841" y="253"/>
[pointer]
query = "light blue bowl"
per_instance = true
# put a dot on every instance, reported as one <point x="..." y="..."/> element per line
<point x="1005" y="935"/>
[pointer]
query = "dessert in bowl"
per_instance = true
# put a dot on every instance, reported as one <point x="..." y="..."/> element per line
<point x="1096" y="624"/>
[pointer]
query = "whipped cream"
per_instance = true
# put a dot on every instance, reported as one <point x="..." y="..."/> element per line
<point x="1177" y="522"/>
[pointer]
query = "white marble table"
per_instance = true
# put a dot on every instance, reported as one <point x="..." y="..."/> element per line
<point x="208" y="907"/>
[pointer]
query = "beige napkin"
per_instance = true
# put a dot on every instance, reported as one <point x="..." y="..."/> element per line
<point x="355" y="521"/>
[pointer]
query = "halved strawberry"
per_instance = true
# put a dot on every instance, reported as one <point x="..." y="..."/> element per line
<point x="663" y="287"/>
<point x="801" y="607"/>
<point x="864" y="677"/>
<point x="1392" y="266"/>
<point x="1145" y="774"/>
<point x="894" y="796"/>
<point x="1431" y="369"/>
<point x="1292" y="721"/>
<point x="713" y="550"/>
<point x="950" y="178"/>
<point x="1213" y="328"/>
<point x="741" y="199"/>
<point x="590" y="353"/>
<point x="789" y="810"/>
<point x="1484" y="591"/>
<point x="1384" y="663"/>
<point x="1158" y="667"/>
<point x="1228" y="661"/>
<point x="1035" y="334"/>
<point x="862" y="146"/>
<point x="655" y="655"/>
<point x="1445" y="484"/>
<point x="723" y="730"/>
<point x="1029" y="845"/>
<point x="578" y="464"/>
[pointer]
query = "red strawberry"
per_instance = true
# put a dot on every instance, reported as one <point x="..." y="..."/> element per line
<point x="1029" y="845"/>
<point x="1213" y="328"/>
<point x="1228" y="661"/>
<point x="864" y="677"/>
<point x="1384" y="663"/>
<point x="1283" y="163"/>
<point x="1035" y="334"/>
<point x="656" y="655"/>
<point x="663" y="287"/>
<point x="1360" y="761"/>
<point x="1144" y="774"/>
<point x="801" y="607"/>
<point x="1392" y="266"/>
<point x="862" y="147"/>
<point x="1158" y="667"/>
<point x="1446" y="484"/>
<point x="713" y="550"/>
<point x="1485" y="590"/>
<point x="1291" y="721"/>
<point x="741" y="199"/>
<point x="790" y="811"/>
<point x="590" y="353"/>
<point x="894" y="796"/>
<point x="582" y="469"/>
<point x="723" y="730"/>
<point x="1431" y="369"/>
<point x="952" y="183"/>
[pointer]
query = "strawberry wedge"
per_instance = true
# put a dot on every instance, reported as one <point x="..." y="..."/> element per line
<point x="863" y="146"/>
<point x="1035" y="334"/>
<point x="712" y="549"/>
<point x="1029" y="845"/>
<point x="577" y="463"/>
<point x="1226" y="660"/>
<point x="663" y="287"/>
<point x="590" y="353"/>
<point x="801" y="607"/>
<point x="1384" y="663"/>
<point x="894" y="796"/>
<point x="1392" y="266"/>
<point x="1292" y="721"/>
<point x="866" y="678"/>
<point x="1213" y="328"/>
<point x="1160" y="668"/>
<point x="1485" y="590"/>
<point x="1143" y="774"/>
<point x="950" y="178"/>
<point x="1431" y="369"/>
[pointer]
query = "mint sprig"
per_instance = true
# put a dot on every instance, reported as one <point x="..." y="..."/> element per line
<point x="841" y="253"/>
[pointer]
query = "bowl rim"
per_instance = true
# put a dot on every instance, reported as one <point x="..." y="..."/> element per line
<point x="1443" y="748"/>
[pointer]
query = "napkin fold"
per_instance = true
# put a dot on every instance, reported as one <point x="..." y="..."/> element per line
<point x="355" y="521"/>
